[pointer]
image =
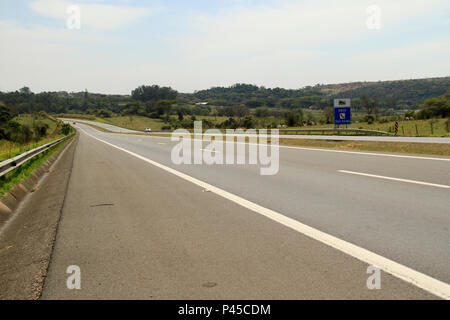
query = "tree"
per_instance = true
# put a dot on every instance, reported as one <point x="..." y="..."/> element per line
<point x="329" y="114"/>
<point x="248" y="122"/>
<point x="40" y="130"/>
<point x="370" y="105"/>
<point x="262" y="112"/>
<point x="294" y="118"/>
<point x="166" y="105"/>
<point x="25" y="90"/>
<point x="180" y="114"/>
<point x="14" y="130"/>
<point x="435" y="107"/>
<point x="253" y="103"/>
<point x="365" y="103"/>
<point x="65" y="129"/>
<point x="103" y="113"/>
<point x="26" y="134"/>
<point x="241" y="111"/>
<point x="153" y="93"/>
<point x="5" y="114"/>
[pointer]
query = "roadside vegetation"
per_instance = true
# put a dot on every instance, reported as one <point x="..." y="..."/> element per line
<point x="23" y="132"/>
<point x="420" y="107"/>
<point x="19" y="174"/>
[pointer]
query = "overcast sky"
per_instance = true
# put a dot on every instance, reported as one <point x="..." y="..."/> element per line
<point x="197" y="44"/>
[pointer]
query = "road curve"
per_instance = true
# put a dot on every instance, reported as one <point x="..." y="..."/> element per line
<point x="444" y="140"/>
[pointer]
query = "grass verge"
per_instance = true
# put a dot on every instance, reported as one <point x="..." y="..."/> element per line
<point x="98" y="127"/>
<point x="138" y="123"/>
<point x="21" y="173"/>
<point x="9" y="149"/>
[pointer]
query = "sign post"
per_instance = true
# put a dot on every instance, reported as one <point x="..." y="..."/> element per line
<point x="342" y="112"/>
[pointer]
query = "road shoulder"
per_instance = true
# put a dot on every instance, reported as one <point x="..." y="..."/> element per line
<point x="26" y="240"/>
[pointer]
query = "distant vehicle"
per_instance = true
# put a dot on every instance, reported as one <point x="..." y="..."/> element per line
<point x="148" y="130"/>
<point x="74" y="123"/>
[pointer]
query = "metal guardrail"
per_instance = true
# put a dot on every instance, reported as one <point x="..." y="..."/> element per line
<point x="297" y="131"/>
<point x="15" y="162"/>
<point x="335" y="130"/>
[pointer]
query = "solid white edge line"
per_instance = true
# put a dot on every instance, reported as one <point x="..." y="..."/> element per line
<point x="396" y="179"/>
<point x="423" y="281"/>
<point x="368" y="153"/>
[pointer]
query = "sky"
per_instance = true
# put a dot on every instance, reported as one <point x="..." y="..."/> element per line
<point x="198" y="44"/>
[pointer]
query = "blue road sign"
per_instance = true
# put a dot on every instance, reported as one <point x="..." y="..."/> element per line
<point x="342" y="115"/>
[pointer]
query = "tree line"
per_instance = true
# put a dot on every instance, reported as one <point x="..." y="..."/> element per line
<point x="241" y="100"/>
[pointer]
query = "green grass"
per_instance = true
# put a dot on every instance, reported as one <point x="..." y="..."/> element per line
<point x="76" y="116"/>
<point x="21" y="173"/>
<point x="134" y="122"/>
<point x="405" y="128"/>
<point x="99" y="128"/>
<point x="10" y="149"/>
<point x="29" y="119"/>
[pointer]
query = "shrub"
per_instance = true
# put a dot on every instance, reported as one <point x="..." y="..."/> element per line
<point x="369" y="119"/>
<point x="65" y="129"/>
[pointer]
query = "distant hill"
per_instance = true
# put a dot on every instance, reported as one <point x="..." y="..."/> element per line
<point x="404" y="92"/>
<point x="399" y="94"/>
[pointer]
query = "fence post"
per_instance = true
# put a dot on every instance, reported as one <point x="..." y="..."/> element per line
<point x="431" y="125"/>
<point x="417" y="130"/>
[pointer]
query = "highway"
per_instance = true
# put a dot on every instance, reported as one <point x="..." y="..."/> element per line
<point x="445" y="140"/>
<point x="138" y="229"/>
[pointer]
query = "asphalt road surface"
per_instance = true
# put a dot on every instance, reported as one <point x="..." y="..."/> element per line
<point x="303" y="136"/>
<point x="138" y="229"/>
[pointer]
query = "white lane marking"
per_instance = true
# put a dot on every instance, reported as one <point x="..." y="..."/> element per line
<point x="396" y="179"/>
<point x="161" y="143"/>
<point x="369" y="153"/>
<point x="339" y="151"/>
<point x="398" y="270"/>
